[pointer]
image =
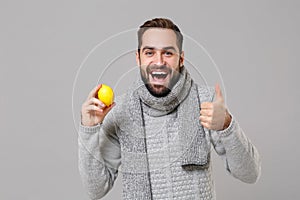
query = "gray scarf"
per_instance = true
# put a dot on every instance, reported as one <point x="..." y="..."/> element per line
<point x="183" y="97"/>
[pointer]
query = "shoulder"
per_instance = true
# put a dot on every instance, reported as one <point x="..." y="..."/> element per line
<point x="206" y="93"/>
<point x="119" y="100"/>
<point x="119" y="104"/>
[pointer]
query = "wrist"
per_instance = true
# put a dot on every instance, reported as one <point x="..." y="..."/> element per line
<point x="89" y="129"/>
<point x="88" y="122"/>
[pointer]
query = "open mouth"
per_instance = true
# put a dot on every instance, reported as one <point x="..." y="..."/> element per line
<point x="159" y="75"/>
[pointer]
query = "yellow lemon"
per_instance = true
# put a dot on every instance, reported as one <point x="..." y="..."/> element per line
<point x="106" y="95"/>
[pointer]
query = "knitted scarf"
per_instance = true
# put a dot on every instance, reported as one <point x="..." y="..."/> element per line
<point x="194" y="148"/>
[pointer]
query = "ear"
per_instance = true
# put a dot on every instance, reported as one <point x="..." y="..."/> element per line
<point x="137" y="58"/>
<point x="181" y="59"/>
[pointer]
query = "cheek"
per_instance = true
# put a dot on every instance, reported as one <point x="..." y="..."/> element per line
<point x="144" y="59"/>
<point x="143" y="72"/>
<point x="174" y="64"/>
<point x="143" y="68"/>
<point x="144" y="63"/>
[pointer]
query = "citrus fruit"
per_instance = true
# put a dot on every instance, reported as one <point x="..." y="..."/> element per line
<point x="106" y="94"/>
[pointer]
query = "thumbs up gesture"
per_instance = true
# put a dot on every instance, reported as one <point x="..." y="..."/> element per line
<point x="214" y="115"/>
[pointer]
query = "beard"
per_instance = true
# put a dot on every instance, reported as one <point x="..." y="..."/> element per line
<point x="168" y="77"/>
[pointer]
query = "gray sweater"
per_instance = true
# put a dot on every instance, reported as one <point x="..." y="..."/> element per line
<point x="100" y="157"/>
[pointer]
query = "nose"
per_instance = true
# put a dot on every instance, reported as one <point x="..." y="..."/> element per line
<point x="158" y="60"/>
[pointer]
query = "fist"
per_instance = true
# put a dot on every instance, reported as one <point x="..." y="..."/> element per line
<point x="93" y="111"/>
<point x="214" y="115"/>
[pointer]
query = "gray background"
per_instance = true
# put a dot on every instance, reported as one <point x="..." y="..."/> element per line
<point x="43" y="43"/>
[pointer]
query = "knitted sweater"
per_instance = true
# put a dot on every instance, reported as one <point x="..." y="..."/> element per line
<point x="100" y="156"/>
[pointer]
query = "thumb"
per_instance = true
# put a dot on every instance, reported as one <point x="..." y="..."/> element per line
<point x="94" y="91"/>
<point x="219" y="95"/>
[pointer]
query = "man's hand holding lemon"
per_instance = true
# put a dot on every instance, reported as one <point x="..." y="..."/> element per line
<point x="97" y="105"/>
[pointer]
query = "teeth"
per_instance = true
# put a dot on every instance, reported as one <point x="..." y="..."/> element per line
<point x="159" y="73"/>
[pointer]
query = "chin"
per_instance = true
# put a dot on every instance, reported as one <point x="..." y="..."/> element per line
<point x="158" y="90"/>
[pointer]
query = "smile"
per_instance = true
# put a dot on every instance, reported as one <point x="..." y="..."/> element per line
<point x="159" y="74"/>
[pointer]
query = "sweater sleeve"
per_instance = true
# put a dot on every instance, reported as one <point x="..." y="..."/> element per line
<point x="240" y="156"/>
<point x="99" y="157"/>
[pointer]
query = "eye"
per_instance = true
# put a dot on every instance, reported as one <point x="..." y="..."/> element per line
<point x="148" y="53"/>
<point x="168" y="53"/>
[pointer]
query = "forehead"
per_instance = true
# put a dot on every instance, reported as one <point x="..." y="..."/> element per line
<point x="159" y="38"/>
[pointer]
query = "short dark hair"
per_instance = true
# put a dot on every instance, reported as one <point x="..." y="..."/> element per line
<point x="160" y="23"/>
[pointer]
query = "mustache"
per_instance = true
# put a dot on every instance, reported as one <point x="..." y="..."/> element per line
<point x="151" y="68"/>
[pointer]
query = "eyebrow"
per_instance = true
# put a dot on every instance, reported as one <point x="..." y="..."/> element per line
<point x="164" y="48"/>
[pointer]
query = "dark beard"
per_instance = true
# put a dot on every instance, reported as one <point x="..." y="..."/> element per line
<point x="164" y="91"/>
<point x="160" y="90"/>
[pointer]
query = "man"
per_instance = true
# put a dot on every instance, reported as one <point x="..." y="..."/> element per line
<point x="162" y="129"/>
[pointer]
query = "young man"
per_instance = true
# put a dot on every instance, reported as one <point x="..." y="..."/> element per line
<point x="162" y="129"/>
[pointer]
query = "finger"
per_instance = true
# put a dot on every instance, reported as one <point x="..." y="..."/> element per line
<point x="107" y="109"/>
<point x="206" y="112"/>
<point x="219" y="95"/>
<point x="205" y="125"/>
<point x="96" y="102"/>
<point x="94" y="91"/>
<point x="93" y="108"/>
<point x="205" y="119"/>
<point x="206" y="105"/>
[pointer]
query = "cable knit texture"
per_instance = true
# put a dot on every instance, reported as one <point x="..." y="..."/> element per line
<point x="192" y="146"/>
